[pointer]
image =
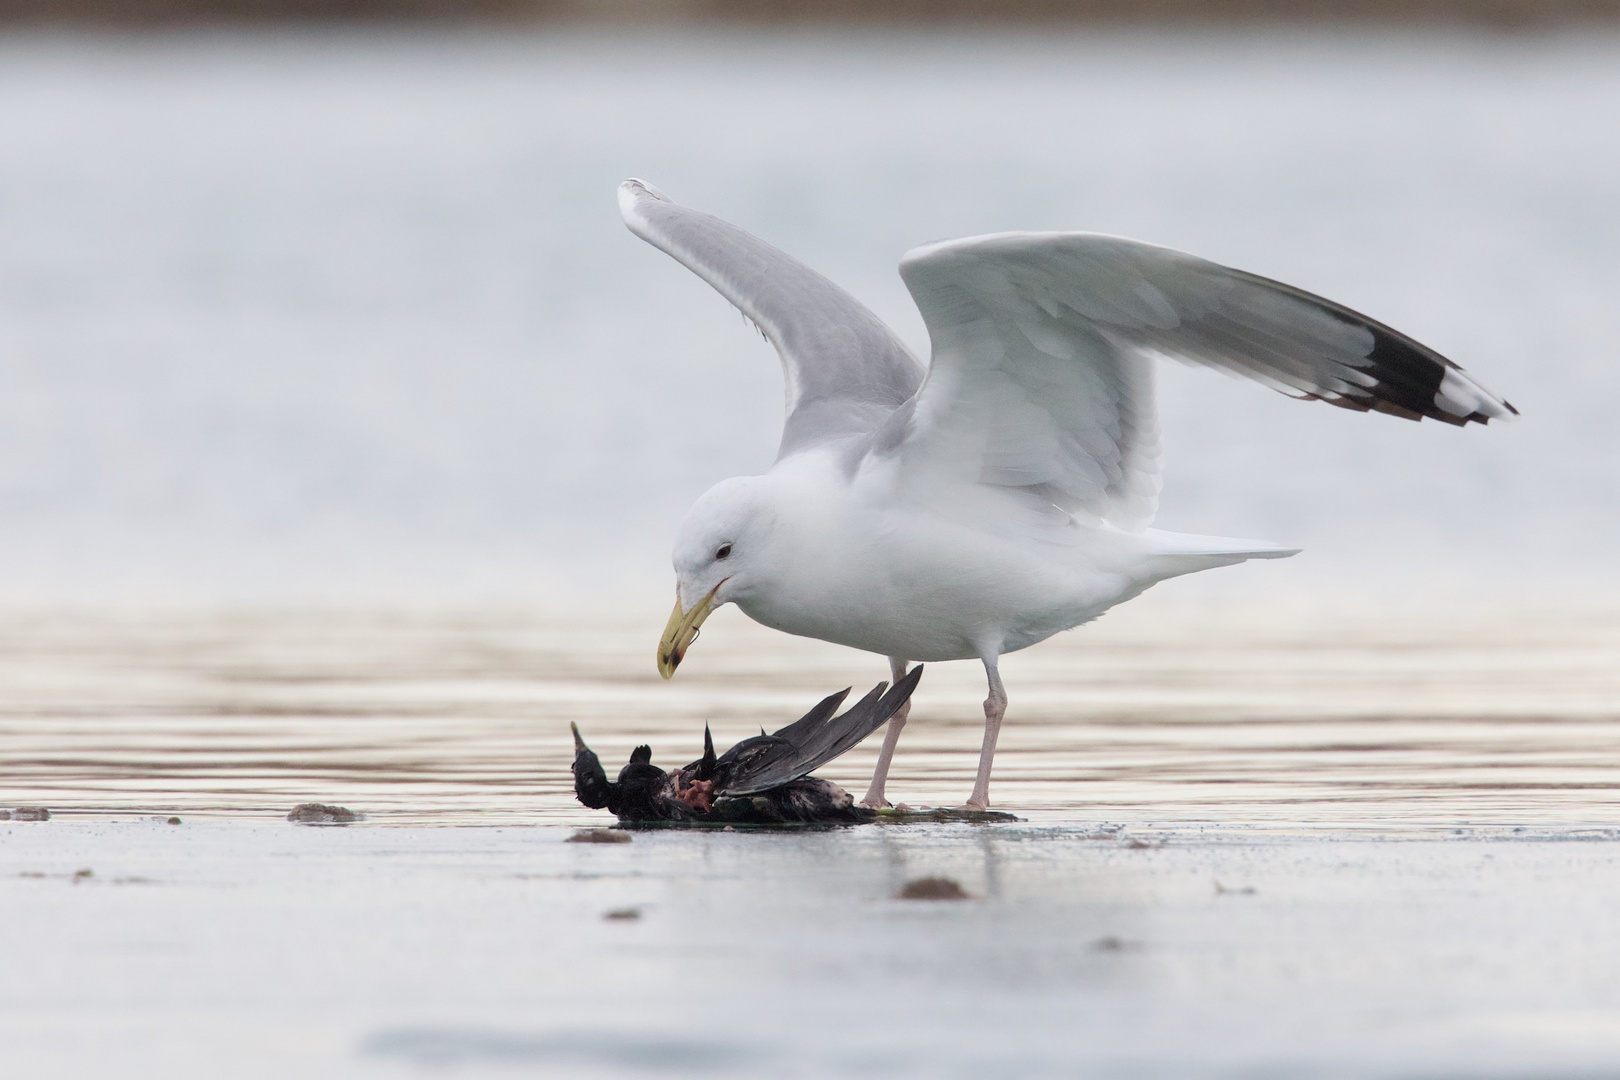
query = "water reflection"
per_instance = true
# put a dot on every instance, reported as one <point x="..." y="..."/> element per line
<point x="1165" y="712"/>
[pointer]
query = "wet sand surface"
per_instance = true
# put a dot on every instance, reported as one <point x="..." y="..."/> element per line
<point x="257" y="949"/>
<point x="1166" y="711"/>
<point x="1304" y="841"/>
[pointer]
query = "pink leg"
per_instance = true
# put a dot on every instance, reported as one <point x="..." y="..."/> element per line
<point x="880" y="775"/>
<point x="995" y="707"/>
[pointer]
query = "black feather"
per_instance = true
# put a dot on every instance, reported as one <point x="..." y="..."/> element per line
<point x="808" y="743"/>
<point x="703" y="769"/>
<point x="591" y="784"/>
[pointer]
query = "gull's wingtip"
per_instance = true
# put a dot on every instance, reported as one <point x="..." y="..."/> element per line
<point x="1459" y="399"/>
<point x="1504" y="413"/>
<point x="633" y="191"/>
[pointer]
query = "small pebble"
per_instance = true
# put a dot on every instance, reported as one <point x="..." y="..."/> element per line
<point x="83" y="875"/>
<point x="314" y="813"/>
<point x="624" y="914"/>
<point x="174" y="821"/>
<point x="1112" y="944"/>
<point x="599" y="836"/>
<point x="933" y="888"/>
<point x="30" y="813"/>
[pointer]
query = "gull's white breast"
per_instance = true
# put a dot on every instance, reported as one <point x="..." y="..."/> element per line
<point x="856" y="563"/>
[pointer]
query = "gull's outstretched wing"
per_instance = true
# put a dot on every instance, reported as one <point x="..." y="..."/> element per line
<point x="769" y="761"/>
<point x="845" y="370"/>
<point x="1042" y="379"/>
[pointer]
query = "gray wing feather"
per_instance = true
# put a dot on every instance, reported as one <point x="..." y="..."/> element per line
<point x="1042" y="381"/>
<point x="845" y="371"/>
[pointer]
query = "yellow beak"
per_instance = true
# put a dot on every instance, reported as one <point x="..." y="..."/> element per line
<point x="681" y="631"/>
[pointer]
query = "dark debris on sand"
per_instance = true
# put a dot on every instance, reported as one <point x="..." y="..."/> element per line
<point x="26" y="813"/>
<point x="1114" y="944"/>
<point x="933" y="888"/>
<point x="598" y="836"/>
<point x="314" y="813"/>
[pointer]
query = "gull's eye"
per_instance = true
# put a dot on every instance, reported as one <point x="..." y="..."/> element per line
<point x="722" y="551"/>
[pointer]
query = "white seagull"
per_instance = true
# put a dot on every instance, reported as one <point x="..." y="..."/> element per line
<point x="1003" y="493"/>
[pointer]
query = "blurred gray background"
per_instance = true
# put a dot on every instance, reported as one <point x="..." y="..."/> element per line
<point x="344" y="310"/>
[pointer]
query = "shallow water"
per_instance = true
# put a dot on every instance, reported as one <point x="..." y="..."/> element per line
<point x="1308" y="842"/>
<point x="1166" y="711"/>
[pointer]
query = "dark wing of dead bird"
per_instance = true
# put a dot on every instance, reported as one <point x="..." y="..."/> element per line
<point x="801" y="733"/>
<point x="753" y="764"/>
<point x="814" y="741"/>
<point x="841" y="734"/>
<point x="763" y="753"/>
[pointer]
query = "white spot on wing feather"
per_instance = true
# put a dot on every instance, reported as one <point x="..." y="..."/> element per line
<point x="1460" y="395"/>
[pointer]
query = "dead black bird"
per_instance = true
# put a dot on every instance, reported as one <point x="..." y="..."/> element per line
<point x="763" y="780"/>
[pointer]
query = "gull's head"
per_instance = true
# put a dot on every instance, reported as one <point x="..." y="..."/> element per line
<point x="720" y="553"/>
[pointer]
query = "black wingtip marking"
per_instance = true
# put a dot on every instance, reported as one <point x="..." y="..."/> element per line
<point x="1407" y="373"/>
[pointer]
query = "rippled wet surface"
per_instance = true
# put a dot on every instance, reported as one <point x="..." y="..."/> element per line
<point x="1195" y="894"/>
<point x="1165" y="712"/>
<point x="261" y="949"/>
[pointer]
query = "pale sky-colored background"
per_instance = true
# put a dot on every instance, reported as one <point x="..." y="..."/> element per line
<point x="351" y="315"/>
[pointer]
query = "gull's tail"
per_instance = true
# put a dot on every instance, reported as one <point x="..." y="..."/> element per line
<point x="1173" y="554"/>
